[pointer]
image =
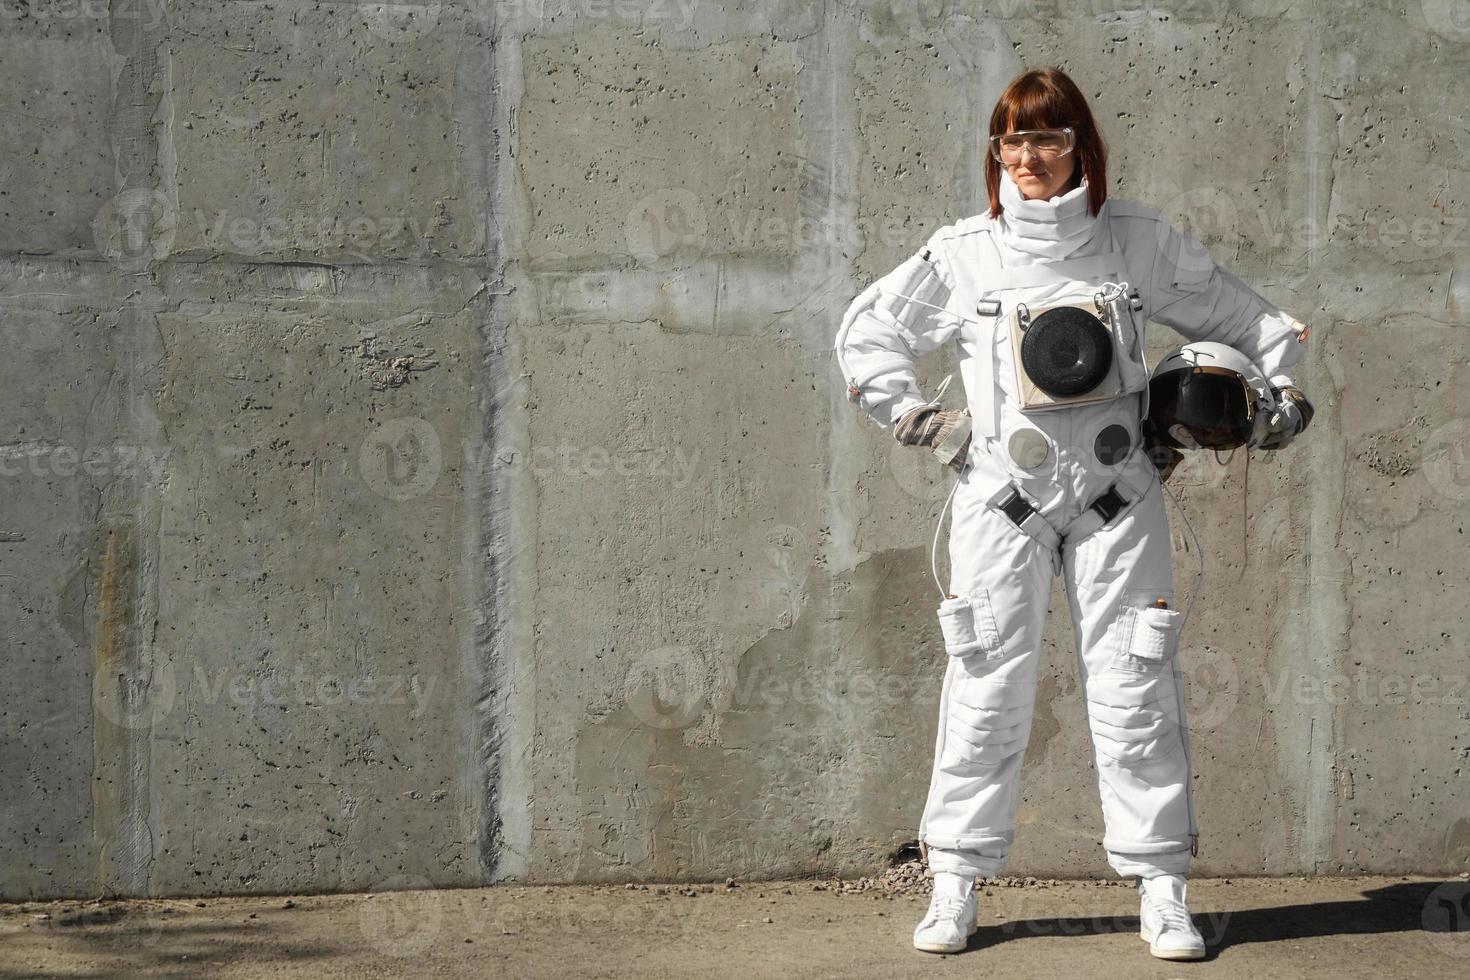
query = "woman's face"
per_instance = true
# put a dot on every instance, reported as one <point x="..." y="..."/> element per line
<point x="1039" y="179"/>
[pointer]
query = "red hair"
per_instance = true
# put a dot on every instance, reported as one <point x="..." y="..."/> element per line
<point x="1047" y="98"/>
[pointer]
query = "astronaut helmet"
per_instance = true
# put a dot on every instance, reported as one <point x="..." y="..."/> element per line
<point x="1206" y="395"/>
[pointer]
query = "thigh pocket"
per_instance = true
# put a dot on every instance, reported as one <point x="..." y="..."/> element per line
<point x="1132" y="703"/>
<point x="968" y="623"/>
<point x="1146" y="635"/>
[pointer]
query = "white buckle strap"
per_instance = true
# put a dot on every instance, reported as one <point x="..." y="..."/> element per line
<point x="1126" y="486"/>
<point x="1023" y="515"/>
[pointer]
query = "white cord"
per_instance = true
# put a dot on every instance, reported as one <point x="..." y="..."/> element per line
<point x="1174" y="670"/>
<point x="1199" y="555"/>
<point x="1112" y="291"/>
<point x="934" y="547"/>
<point x="943" y="387"/>
<point x="841" y="344"/>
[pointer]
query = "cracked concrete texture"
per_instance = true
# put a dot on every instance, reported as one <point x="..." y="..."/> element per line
<point x="316" y="131"/>
<point x="609" y="123"/>
<point x="429" y="469"/>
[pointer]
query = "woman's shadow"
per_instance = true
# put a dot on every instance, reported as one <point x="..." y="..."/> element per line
<point x="1426" y="906"/>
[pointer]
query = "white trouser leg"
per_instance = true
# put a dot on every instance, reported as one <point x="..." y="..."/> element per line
<point x="987" y="698"/>
<point x="1127" y="654"/>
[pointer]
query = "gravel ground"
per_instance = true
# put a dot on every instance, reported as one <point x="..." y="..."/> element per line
<point x="1274" y="927"/>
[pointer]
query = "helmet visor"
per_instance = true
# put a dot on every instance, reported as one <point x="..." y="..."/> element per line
<point x="1215" y="406"/>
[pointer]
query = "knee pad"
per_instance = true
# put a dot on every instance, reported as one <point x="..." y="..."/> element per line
<point x="988" y="721"/>
<point x="1134" y="705"/>
<point x="1133" y="720"/>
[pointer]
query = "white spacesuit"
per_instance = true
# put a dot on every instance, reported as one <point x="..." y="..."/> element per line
<point x="1061" y="486"/>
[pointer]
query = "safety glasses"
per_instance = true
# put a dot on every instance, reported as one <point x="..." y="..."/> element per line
<point x="1048" y="144"/>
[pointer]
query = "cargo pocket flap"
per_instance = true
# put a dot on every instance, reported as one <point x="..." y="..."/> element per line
<point x="1155" y="633"/>
<point x="968" y="624"/>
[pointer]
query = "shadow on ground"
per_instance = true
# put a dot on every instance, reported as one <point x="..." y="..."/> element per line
<point x="1435" y="907"/>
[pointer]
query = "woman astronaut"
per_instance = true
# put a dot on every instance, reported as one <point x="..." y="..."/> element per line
<point x="1057" y="477"/>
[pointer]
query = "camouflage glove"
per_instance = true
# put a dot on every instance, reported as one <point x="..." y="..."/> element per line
<point x="1293" y="414"/>
<point x="941" y="431"/>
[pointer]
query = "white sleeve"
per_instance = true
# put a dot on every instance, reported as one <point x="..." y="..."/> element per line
<point x="1202" y="300"/>
<point x="896" y="320"/>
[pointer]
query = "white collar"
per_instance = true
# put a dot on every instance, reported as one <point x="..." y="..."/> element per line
<point x="1050" y="229"/>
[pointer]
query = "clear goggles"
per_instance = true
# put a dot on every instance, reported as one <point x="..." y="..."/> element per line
<point x="1045" y="143"/>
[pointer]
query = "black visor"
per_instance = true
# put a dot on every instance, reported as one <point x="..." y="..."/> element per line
<point x="1211" y="407"/>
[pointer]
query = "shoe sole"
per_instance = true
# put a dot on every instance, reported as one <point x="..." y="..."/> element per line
<point x="1170" y="954"/>
<point x="936" y="948"/>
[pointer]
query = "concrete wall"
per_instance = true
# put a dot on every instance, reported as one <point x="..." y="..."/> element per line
<point x="423" y="460"/>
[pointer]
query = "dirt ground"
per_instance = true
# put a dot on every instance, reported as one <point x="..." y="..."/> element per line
<point x="1284" y="927"/>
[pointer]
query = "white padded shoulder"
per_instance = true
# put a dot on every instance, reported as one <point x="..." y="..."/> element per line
<point x="1121" y="208"/>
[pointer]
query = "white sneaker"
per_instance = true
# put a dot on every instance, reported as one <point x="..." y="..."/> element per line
<point x="1164" y="921"/>
<point x="950" y="921"/>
